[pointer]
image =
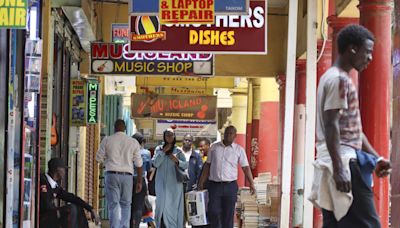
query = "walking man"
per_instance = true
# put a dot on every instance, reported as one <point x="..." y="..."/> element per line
<point x="221" y="170"/>
<point x="338" y="188"/>
<point x="119" y="152"/>
<point x="195" y="163"/>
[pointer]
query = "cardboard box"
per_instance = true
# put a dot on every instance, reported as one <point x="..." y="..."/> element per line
<point x="196" y="207"/>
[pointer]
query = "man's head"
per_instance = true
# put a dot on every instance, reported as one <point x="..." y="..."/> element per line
<point x="204" y="146"/>
<point x="187" y="142"/>
<point x="119" y="125"/>
<point x="139" y="137"/>
<point x="355" y="45"/>
<point x="57" y="168"/>
<point x="229" y="135"/>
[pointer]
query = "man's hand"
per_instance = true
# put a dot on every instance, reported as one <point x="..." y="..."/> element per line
<point x="138" y="186"/>
<point x="95" y="217"/>
<point x="343" y="183"/>
<point x="167" y="147"/>
<point x="252" y="189"/>
<point x="174" y="159"/>
<point x="200" y="185"/>
<point x="383" y="168"/>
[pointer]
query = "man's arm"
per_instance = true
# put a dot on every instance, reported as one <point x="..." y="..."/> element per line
<point x="332" y="138"/>
<point x="383" y="166"/>
<point x="249" y="177"/>
<point x="101" y="153"/>
<point x="204" y="175"/>
<point x="367" y="147"/>
<point x="69" y="197"/>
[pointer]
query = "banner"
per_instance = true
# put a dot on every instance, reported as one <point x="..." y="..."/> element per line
<point x="114" y="59"/>
<point x="196" y="128"/>
<point x="244" y="34"/>
<point x="78" y="103"/>
<point x="187" y="12"/>
<point x="13" y="14"/>
<point x="222" y="7"/>
<point x="173" y="107"/>
<point x="93" y="102"/>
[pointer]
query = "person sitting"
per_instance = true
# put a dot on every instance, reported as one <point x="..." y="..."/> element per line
<point x="70" y="215"/>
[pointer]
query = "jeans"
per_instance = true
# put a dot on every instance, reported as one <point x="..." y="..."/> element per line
<point x="119" y="190"/>
<point x="362" y="213"/>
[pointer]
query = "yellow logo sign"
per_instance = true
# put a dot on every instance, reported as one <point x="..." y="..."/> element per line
<point x="13" y="13"/>
<point x="148" y="29"/>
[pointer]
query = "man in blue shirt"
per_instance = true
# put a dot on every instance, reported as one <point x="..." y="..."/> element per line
<point x="195" y="163"/>
<point x="138" y="198"/>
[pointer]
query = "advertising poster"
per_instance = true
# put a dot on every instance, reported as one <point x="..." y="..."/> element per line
<point x="245" y="34"/>
<point x="173" y="107"/>
<point x="13" y="14"/>
<point x="78" y="103"/>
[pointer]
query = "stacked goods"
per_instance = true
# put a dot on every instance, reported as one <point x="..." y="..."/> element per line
<point x="262" y="209"/>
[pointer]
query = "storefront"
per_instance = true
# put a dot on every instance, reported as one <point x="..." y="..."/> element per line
<point x="20" y="63"/>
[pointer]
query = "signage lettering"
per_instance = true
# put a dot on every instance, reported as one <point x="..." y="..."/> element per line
<point x="93" y="106"/>
<point x="13" y="13"/>
<point x="187" y="11"/>
<point x="114" y="58"/>
<point x="233" y="34"/>
<point x="175" y="107"/>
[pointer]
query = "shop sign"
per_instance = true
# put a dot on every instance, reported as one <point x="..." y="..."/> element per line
<point x="186" y="12"/>
<point x="173" y="107"/>
<point x="175" y="90"/>
<point x="13" y="14"/>
<point x="195" y="128"/>
<point x="245" y="34"/>
<point x="78" y="103"/>
<point x="92" y="102"/>
<point x="115" y="59"/>
<point x="222" y="7"/>
<point x="120" y="33"/>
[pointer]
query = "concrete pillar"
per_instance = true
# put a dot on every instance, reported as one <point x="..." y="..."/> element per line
<point x="255" y="126"/>
<point x="268" y="155"/>
<point x="238" y="118"/>
<point x="376" y="15"/>
<point x="249" y="124"/>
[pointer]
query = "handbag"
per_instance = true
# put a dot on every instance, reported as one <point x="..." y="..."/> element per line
<point x="181" y="175"/>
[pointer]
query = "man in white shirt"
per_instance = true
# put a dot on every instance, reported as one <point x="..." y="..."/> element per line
<point x="222" y="172"/>
<point x="119" y="152"/>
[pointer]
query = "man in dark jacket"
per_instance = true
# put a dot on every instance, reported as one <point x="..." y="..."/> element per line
<point x="70" y="215"/>
<point x="195" y="163"/>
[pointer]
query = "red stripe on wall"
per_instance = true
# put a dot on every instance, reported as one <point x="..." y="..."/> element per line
<point x="241" y="140"/>
<point x="268" y="157"/>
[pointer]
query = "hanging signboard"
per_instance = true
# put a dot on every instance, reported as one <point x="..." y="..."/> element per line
<point x="195" y="128"/>
<point x="114" y="59"/>
<point x="222" y="7"/>
<point x="92" y="102"/>
<point x="78" y="103"/>
<point x="173" y="107"/>
<point x="244" y="34"/>
<point x="186" y="12"/>
<point x="13" y="14"/>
